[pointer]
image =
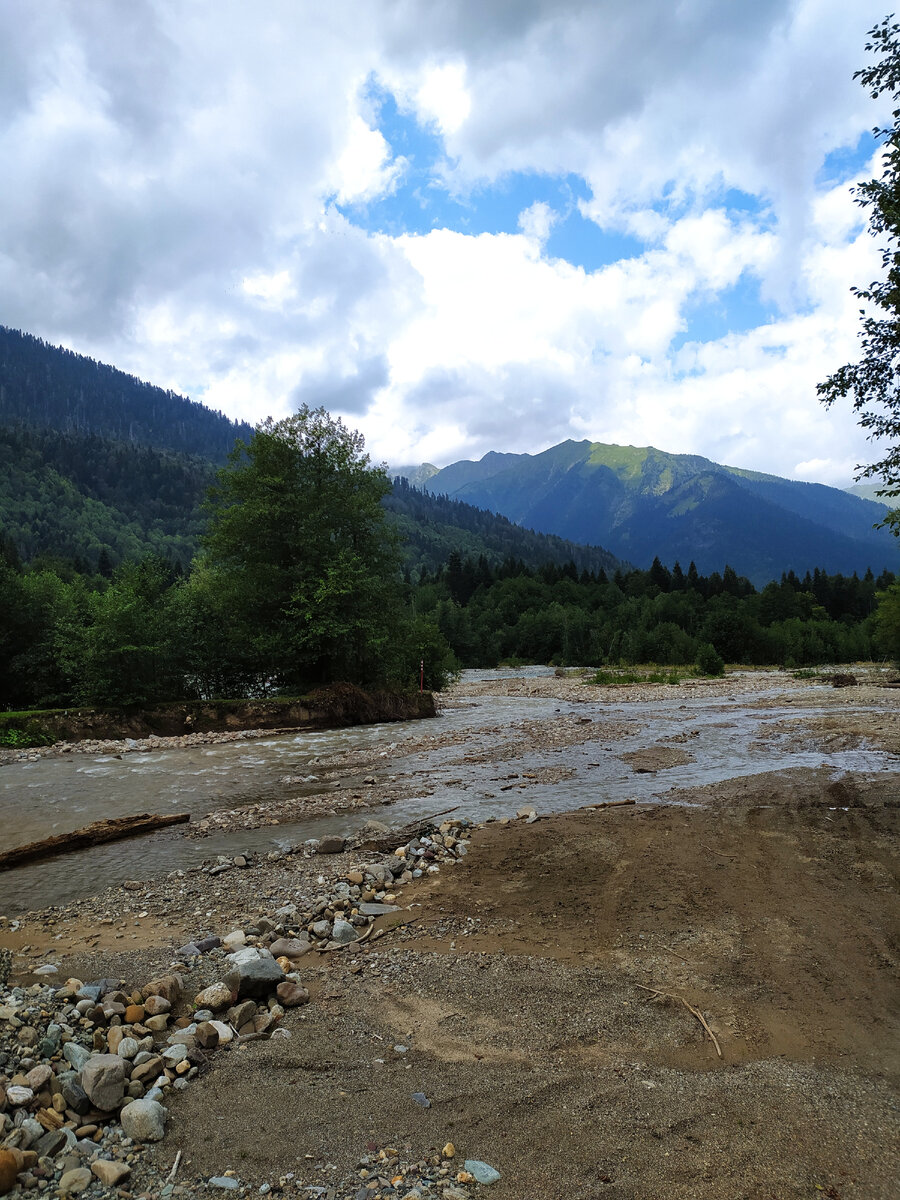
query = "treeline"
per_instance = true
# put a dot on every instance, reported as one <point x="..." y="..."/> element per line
<point x="558" y="614"/>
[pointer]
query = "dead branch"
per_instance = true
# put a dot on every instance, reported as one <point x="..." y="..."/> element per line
<point x="695" y="1012"/>
<point x="112" y="830"/>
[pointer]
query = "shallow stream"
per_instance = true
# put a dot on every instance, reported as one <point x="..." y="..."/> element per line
<point x="58" y="794"/>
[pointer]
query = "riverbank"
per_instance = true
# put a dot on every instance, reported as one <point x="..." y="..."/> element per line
<point x="214" y="722"/>
<point x="539" y="999"/>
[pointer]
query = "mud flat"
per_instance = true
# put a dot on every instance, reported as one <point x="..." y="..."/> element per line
<point x="543" y="998"/>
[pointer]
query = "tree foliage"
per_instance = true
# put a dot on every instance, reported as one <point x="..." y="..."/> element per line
<point x="300" y="549"/>
<point x="873" y="382"/>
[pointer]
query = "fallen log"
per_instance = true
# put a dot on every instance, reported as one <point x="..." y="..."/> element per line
<point x="112" y="830"/>
<point x="611" y="804"/>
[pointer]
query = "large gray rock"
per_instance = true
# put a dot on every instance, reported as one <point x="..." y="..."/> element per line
<point x="144" y="1120"/>
<point x="343" y="932"/>
<point x="254" y="977"/>
<point x="103" y="1080"/>
<point x="289" y="947"/>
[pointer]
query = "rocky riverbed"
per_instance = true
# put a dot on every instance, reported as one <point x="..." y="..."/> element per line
<point x="690" y="998"/>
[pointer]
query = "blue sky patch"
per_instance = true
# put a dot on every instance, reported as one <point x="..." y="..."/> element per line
<point x="424" y="198"/>
<point x="734" y="310"/>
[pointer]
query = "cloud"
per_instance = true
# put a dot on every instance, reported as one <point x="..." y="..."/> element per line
<point x="171" y="176"/>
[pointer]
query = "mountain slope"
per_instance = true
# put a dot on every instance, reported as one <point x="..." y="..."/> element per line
<point x="640" y="502"/>
<point x="47" y="387"/>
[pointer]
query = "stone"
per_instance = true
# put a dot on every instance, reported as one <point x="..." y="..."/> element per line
<point x="289" y="948"/>
<point x="216" y="996"/>
<point x="370" y="909"/>
<point x="128" y="1047"/>
<point x="170" y="987"/>
<point x="421" y="1099"/>
<point x="147" y="1071"/>
<point x="225" y="1032"/>
<point x="481" y="1172"/>
<point x="52" y="1143"/>
<point x="207" y="1035"/>
<point x="172" y="1055"/>
<point x="157" y="1024"/>
<point x="17" y="1095"/>
<point x="10" y="1166"/>
<point x="240" y="1014"/>
<point x="332" y="844"/>
<point x="144" y="1120"/>
<point x="155" y="1005"/>
<point x="134" y="1014"/>
<point x="38" y="1076"/>
<point x="343" y="932"/>
<point x="103" y="1080"/>
<point x="291" y="994"/>
<point x="110" y="1173"/>
<point x="449" y="1151"/>
<point x="226" y="1182"/>
<point x="204" y="945"/>
<point x="75" y="1181"/>
<point x="75" y="1096"/>
<point x="115" y="1035"/>
<point x="236" y="938"/>
<point x="256" y="977"/>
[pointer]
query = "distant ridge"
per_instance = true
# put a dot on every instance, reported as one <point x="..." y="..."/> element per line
<point x="640" y="502"/>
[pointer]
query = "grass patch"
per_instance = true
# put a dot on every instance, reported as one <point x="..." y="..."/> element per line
<point x="620" y="678"/>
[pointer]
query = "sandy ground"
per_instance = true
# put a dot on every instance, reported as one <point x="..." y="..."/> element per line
<point x="542" y="994"/>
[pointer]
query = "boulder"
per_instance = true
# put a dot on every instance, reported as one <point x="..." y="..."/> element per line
<point x="103" y="1080"/>
<point x="254" y="977"/>
<point x="110" y="1173"/>
<point x="144" y="1120"/>
<point x="216" y="996"/>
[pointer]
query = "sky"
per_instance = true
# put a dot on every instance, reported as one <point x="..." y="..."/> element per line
<point x="459" y="225"/>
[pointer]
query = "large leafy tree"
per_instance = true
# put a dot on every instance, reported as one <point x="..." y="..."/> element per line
<point x="304" y="564"/>
<point x="873" y="382"/>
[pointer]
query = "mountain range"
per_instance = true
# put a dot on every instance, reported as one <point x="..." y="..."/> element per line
<point x="97" y="466"/>
<point x="641" y="503"/>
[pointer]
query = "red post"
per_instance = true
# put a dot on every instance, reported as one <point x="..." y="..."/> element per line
<point x="421" y="675"/>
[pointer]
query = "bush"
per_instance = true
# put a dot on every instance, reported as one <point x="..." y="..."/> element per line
<point x="709" y="661"/>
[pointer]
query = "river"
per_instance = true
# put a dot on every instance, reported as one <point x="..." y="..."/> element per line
<point x="462" y="764"/>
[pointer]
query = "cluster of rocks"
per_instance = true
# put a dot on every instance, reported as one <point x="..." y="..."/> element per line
<point x="85" y="1068"/>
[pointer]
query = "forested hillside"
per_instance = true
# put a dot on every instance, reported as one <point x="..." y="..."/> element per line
<point x="51" y="388"/>
<point x="431" y="528"/>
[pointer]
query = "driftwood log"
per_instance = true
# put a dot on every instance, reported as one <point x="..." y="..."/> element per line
<point x="112" y="830"/>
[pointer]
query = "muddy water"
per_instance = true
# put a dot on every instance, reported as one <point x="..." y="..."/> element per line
<point x="54" y="795"/>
